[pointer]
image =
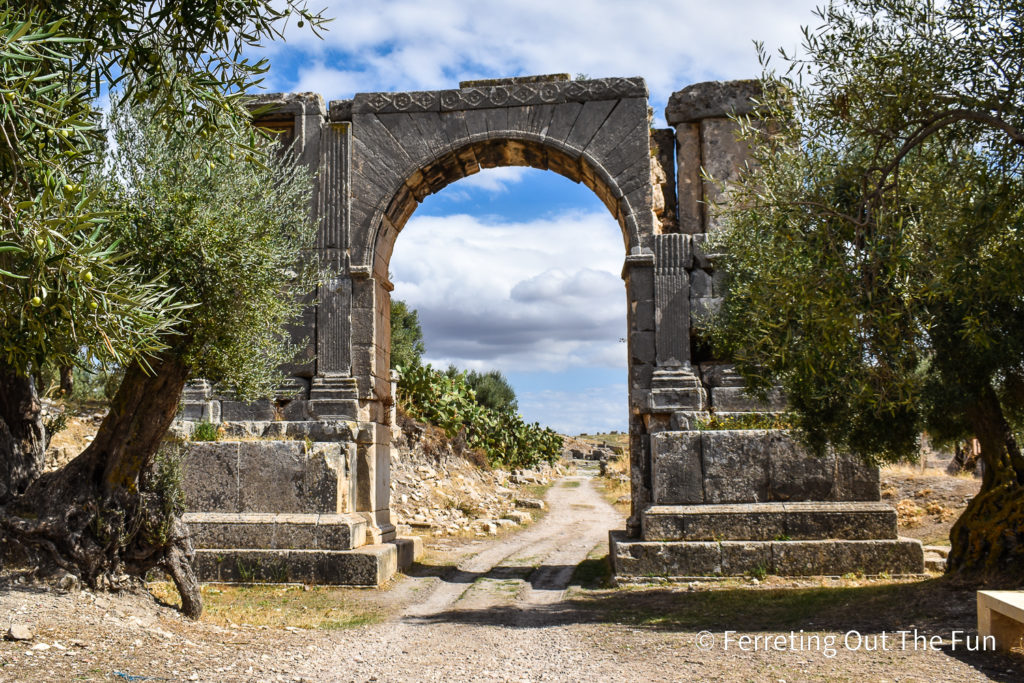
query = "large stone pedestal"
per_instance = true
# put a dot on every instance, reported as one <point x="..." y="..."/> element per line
<point x="737" y="502"/>
<point x="282" y="511"/>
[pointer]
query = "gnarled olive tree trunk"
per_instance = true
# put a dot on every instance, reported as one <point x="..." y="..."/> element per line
<point x="103" y="515"/>
<point x="987" y="542"/>
<point x="22" y="436"/>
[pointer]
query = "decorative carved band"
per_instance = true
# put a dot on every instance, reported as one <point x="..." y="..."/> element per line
<point x="512" y="95"/>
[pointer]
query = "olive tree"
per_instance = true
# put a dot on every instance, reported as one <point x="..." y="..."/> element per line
<point x="875" y="245"/>
<point x="72" y="279"/>
<point x="232" y="237"/>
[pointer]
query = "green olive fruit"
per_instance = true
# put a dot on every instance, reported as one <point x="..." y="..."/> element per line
<point x="93" y="306"/>
<point x="36" y="301"/>
<point x="40" y="241"/>
<point x="87" y="276"/>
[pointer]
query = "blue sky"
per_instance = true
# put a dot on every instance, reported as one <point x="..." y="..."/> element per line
<point x="518" y="269"/>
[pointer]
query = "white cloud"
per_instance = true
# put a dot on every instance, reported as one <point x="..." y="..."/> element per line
<point x="592" y="410"/>
<point x="494" y="180"/>
<point x="410" y="44"/>
<point x="539" y="295"/>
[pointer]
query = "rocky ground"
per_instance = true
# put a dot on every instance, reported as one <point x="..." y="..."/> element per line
<point x="441" y="488"/>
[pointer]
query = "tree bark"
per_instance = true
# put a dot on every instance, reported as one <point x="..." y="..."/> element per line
<point x="100" y="516"/>
<point x="67" y="381"/>
<point x="987" y="542"/>
<point x="22" y="435"/>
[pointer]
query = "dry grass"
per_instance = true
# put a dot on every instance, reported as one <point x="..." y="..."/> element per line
<point x="620" y="440"/>
<point x="615" y="485"/>
<point x="917" y="472"/>
<point x="284" y="606"/>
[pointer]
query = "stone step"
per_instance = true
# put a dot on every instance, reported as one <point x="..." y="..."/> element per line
<point x="370" y="565"/>
<point x="276" y="531"/>
<point x="347" y="409"/>
<point x="636" y="560"/>
<point x="770" y="522"/>
<point x="935" y="557"/>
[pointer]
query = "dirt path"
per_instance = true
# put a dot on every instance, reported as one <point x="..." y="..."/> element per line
<point x="477" y="620"/>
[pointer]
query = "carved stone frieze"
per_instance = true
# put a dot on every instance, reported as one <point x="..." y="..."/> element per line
<point x="506" y="95"/>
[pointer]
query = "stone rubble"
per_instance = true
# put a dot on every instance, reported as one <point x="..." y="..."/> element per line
<point x="442" y="488"/>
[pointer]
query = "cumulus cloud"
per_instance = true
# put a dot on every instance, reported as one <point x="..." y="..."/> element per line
<point x="540" y="294"/>
<point x="592" y="410"/>
<point x="494" y="180"/>
<point x="410" y="44"/>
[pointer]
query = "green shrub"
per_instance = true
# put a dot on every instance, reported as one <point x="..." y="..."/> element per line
<point x="446" y="400"/>
<point x="745" y="421"/>
<point x="204" y="431"/>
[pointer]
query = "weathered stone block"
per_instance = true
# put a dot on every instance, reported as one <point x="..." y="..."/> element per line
<point x="719" y="99"/>
<point x="210" y="477"/>
<point x="265" y="476"/>
<point x="700" y="284"/>
<point x="746" y="557"/>
<point x="737" y="400"/>
<point x="856" y="480"/>
<point x="724" y="156"/>
<point x="770" y="522"/>
<point x="702" y="308"/>
<point x="720" y="375"/>
<point x="279" y="462"/>
<point x="257" y="411"/>
<point x="735" y="465"/>
<point x="641" y="346"/>
<point x="797" y="475"/>
<point x="276" y="531"/>
<point x="703" y="257"/>
<point x="677" y="474"/>
<point x="851" y="521"/>
<point x="835" y="558"/>
<point x="646" y="559"/>
<point x="370" y="565"/>
<point x="754" y="522"/>
<point x="633" y="559"/>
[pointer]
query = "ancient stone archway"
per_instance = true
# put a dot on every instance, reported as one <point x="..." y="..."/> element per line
<point x="397" y="148"/>
<point x="702" y="502"/>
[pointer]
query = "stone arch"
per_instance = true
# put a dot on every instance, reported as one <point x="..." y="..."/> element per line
<point x="395" y="149"/>
<point x="496" y="150"/>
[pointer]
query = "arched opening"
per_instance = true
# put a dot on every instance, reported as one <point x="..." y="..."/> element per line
<point x="520" y="272"/>
<point x="371" y="343"/>
<point x="500" y="283"/>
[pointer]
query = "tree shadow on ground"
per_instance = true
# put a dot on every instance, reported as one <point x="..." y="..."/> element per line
<point x="932" y="606"/>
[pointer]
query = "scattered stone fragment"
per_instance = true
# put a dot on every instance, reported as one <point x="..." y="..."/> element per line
<point x="19" y="632"/>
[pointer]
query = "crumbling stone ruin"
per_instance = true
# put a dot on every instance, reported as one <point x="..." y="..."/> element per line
<point x="702" y="502"/>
